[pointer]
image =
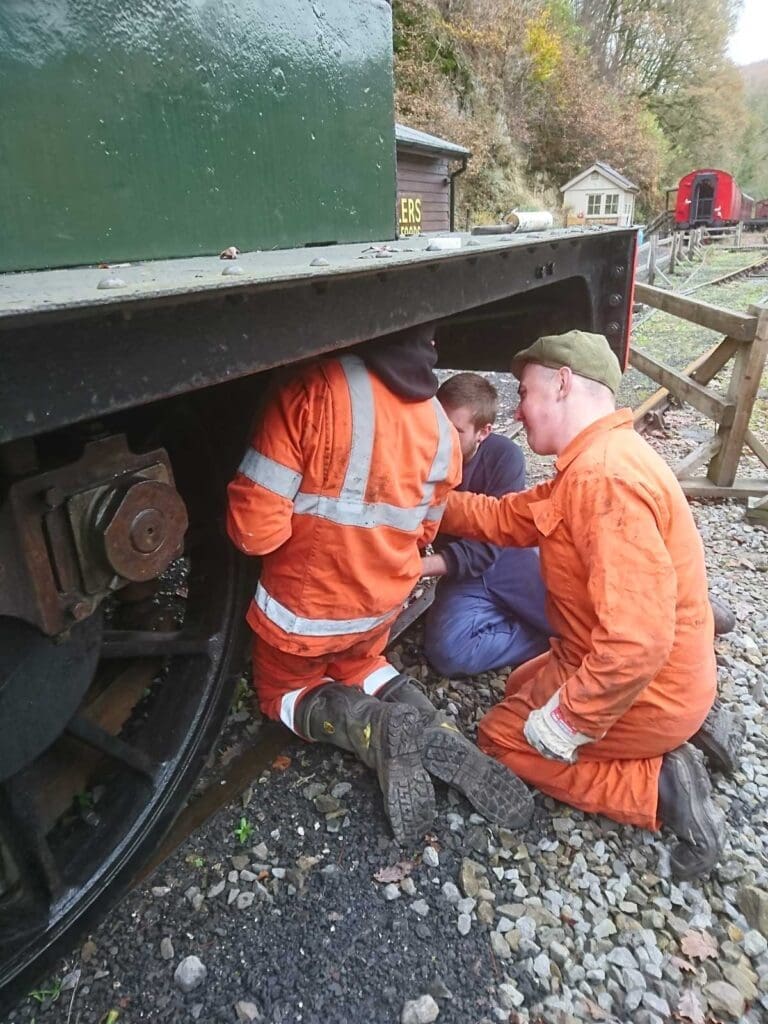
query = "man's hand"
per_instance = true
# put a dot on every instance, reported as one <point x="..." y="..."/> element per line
<point x="547" y="732"/>
<point x="434" y="565"/>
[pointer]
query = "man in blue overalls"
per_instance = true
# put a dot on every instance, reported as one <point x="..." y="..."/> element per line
<point x="489" y="609"/>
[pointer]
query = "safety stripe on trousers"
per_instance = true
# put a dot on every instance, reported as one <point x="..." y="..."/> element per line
<point x="378" y="678"/>
<point x="288" y="704"/>
<point x="370" y="685"/>
<point x="289" y="622"/>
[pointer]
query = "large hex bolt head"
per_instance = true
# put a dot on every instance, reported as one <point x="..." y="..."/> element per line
<point x="145" y="532"/>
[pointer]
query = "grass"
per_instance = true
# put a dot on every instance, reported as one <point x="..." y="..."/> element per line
<point x="678" y="342"/>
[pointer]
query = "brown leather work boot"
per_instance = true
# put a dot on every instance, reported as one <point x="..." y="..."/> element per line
<point x="387" y="738"/>
<point x="492" y="789"/>
<point x="686" y="807"/>
<point x="720" y="738"/>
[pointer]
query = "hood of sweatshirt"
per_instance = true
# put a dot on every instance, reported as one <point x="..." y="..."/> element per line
<point x="404" y="361"/>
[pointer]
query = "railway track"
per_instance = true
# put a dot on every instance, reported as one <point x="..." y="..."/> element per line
<point x="751" y="270"/>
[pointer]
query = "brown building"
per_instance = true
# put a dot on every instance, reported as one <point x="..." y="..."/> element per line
<point x="426" y="169"/>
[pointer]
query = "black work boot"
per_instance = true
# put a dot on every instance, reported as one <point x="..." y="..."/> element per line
<point x="725" y="620"/>
<point x="387" y="738"/>
<point x="686" y="807"/>
<point x="492" y="789"/>
<point x="720" y="738"/>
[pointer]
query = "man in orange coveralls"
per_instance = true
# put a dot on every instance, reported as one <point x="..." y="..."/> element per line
<point x="345" y="480"/>
<point x="601" y="720"/>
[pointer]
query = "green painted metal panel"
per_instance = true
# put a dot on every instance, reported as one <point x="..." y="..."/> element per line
<point x="140" y="129"/>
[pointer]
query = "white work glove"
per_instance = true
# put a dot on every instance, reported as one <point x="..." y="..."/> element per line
<point x="547" y="731"/>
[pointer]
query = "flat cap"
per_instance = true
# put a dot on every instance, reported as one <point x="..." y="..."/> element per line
<point x="588" y="355"/>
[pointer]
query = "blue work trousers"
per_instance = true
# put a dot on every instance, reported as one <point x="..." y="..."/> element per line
<point x="490" y="621"/>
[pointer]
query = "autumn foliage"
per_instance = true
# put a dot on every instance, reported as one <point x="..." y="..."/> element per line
<point x="538" y="89"/>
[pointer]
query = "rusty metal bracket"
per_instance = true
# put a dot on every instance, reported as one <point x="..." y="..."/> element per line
<point x="72" y="535"/>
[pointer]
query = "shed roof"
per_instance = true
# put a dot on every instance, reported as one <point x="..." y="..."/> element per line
<point x="608" y="171"/>
<point x="410" y="138"/>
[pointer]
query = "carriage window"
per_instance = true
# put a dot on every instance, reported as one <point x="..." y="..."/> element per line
<point x="593" y="204"/>
<point x="612" y="204"/>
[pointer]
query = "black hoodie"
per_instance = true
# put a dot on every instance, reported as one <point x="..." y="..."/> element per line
<point x="404" y="361"/>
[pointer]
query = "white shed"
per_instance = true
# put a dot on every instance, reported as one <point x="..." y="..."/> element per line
<point x="599" y="195"/>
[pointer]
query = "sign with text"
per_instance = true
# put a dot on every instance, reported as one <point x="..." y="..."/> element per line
<point x="409" y="215"/>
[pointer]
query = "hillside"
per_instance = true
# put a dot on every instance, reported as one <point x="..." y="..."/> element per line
<point x="755" y="78"/>
<point x="539" y="89"/>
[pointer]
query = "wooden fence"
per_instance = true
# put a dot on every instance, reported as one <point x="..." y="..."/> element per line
<point x="745" y="341"/>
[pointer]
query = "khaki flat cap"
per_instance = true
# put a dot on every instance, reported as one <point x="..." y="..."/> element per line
<point x="588" y="355"/>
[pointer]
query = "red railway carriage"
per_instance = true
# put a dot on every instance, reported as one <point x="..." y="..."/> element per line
<point x="710" y="198"/>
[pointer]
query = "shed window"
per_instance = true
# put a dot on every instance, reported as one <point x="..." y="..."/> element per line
<point x="612" y="204"/>
<point x="593" y="204"/>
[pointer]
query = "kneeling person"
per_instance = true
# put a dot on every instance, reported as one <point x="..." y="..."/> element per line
<point x="344" y="482"/>
<point x="489" y="608"/>
<point x="601" y="721"/>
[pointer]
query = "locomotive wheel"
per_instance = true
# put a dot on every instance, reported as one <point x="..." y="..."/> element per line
<point x="80" y="819"/>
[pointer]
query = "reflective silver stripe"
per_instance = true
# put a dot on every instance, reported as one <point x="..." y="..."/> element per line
<point x="363" y="428"/>
<point x="374" y="682"/>
<point x="367" y="515"/>
<point x="442" y="460"/>
<point x="270" y="474"/>
<point x="289" y="622"/>
<point x="288" y="708"/>
<point x="349" y="509"/>
<point x="435" y="512"/>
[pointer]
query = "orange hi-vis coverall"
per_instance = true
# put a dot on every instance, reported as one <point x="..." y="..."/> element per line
<point x="343" y="483"/>
<point x="633" y="658"/>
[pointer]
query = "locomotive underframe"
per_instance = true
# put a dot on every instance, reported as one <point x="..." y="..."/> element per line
<point x="178" y="332"/>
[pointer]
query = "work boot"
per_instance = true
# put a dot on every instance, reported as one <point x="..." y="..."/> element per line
<point x="725" y="620"/>
<point x="387" y="738"/>
<point x="720" y="738"/>
<point x="492" y="789"/>
<point x="686" y="807"/>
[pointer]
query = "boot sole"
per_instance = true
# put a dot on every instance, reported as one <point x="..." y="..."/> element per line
<point x="408" y="792"/>
<point x="492" y="789"/>
<point x="687" y="860"/>
<point x="720" y="739"/>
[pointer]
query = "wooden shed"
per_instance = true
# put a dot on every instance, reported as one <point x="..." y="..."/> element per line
<point x="426" y="169"/>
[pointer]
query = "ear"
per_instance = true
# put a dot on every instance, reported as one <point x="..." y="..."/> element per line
<point x="564" y="382"/>
<point x="483" y="432"/>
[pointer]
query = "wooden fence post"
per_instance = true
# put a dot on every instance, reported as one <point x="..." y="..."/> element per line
<point x="652" y="259"/>
<point x="749" y="363"/>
